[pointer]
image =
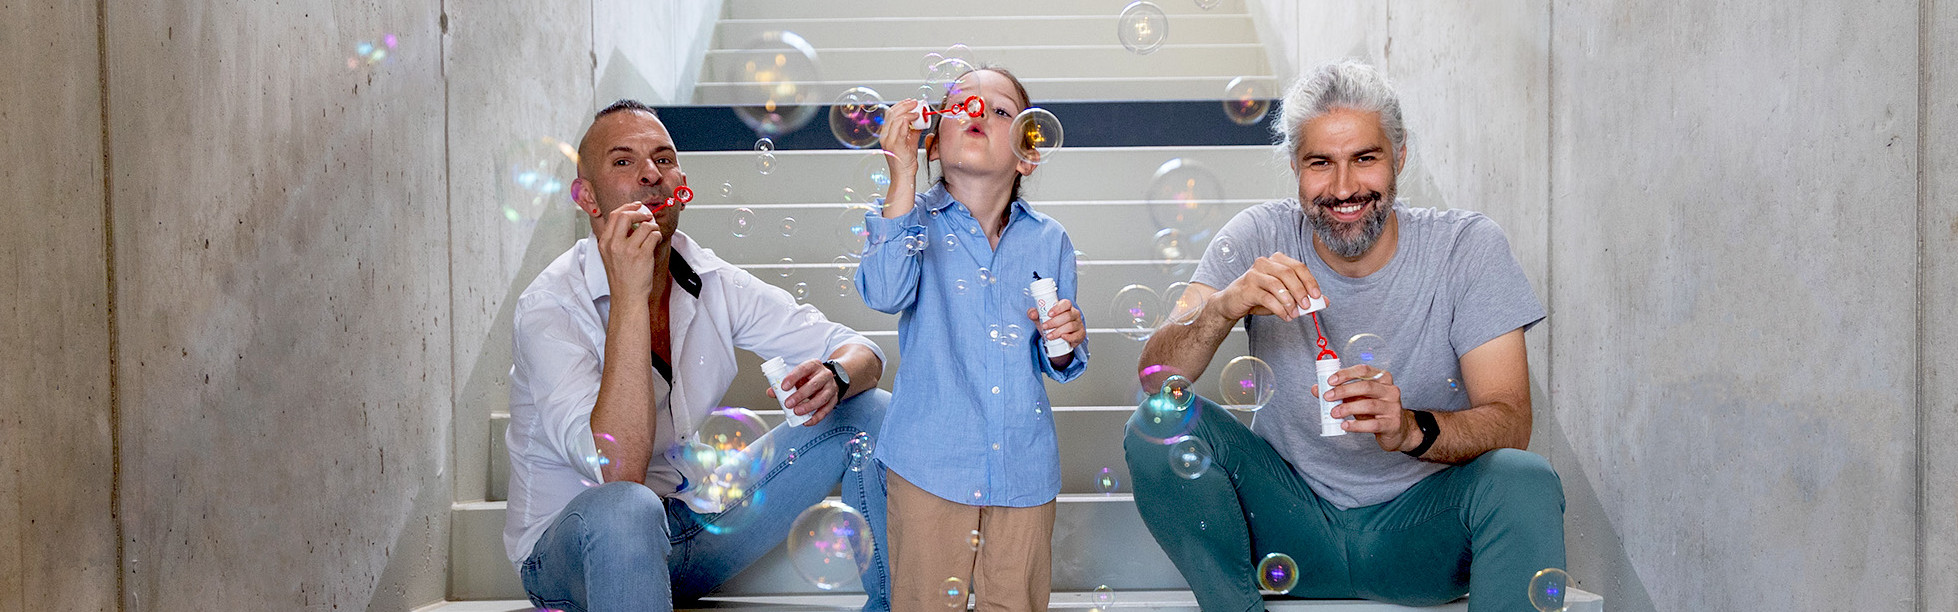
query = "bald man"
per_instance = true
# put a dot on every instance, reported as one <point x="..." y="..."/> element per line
<point x="624" y="346"/>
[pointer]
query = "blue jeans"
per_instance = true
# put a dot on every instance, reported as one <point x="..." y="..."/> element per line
<point x="1485" y="526"/>
<point x="620" y="546"/>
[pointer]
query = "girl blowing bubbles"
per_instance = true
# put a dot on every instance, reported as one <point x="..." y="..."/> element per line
<point x="969" y="439"/>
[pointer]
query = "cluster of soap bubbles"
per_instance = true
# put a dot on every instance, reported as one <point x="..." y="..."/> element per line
<point x="1167" y="416"/>
<point x="831" y="545"/>
<point x="372" y="52"/>
<point x="726" y="459"/>
<point x="1138" y="310"/>
<point x="860" y="448"/>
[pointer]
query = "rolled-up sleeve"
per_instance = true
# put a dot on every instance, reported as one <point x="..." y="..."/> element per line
<point x="887" y="278"/>
<point x="1064" y="283"/>
<point x="769" y="322"/>
<point x="556" y="370"/>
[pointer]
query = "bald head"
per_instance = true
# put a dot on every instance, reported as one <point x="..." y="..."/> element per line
<point x="627" y="156"/>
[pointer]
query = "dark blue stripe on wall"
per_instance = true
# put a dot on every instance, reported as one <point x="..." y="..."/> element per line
<point x="1085" y="124"/>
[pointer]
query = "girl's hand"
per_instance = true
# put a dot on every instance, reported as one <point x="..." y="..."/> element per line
<point x="1064" y="322"/>
<point x="900" y="141"/>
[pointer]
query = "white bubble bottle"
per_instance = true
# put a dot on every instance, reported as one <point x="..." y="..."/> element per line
<point x="1045" y="295"/>
<point x="1325" y="367"/>
<point x="777" y="370"/>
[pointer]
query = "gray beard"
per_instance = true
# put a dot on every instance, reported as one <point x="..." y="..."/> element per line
<point x="1355" y="243"/>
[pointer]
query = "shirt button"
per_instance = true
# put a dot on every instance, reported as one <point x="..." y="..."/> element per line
<point x="995" y="390"/>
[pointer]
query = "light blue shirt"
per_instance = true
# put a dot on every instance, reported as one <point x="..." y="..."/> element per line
<point x="969" y="419"/>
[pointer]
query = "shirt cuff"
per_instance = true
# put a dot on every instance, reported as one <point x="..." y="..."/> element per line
<point x="883" y="230"/>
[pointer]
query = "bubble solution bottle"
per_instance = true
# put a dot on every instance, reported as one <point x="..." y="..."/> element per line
<point x="776" y="370"/>
<point x="1326" y="365"/>
<point x="1045" y="294"/>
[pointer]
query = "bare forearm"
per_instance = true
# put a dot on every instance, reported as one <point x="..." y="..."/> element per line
<point x="901" y="196"/>
<point x="863" y="365"/>
<point x="1467" y="434"/>
<point x="621" y="422"/>
<point x="1184" y="349"/>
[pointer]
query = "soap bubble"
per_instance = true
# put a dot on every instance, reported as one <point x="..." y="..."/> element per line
<point x="726" y="453"/>
<point x="959" y="286"/>
<point x="856" y="116"/>
<point x="943" y="76"/>
<point x="744" y="222"/>
<point x="1142" y="27"/>
<point x="1247" y="384"/>
<point x="1454" y="385"/>
<point x="1170" y="249"/>
<point x="853" y="230"/>
<point x="1208" y="4"/>
<point x="960" y="51"/>
<point x="1277" y="572"/>
<point x="951" y="242"/>
<point x="913" y="245"/>
<point x="1183" y="305"/>
<point x="1167" y="415"/>
<point x="1367" y="349"/>
<point x="788" y="226"/>
<point x="800" y="291"/>
<point x="1183" y="195"/>
<point x="954" y="589"/>
<point x="1106" y="482"/>
<point x="1136" y="311"/>
<point x="369" y="53"/>
<point x="1189" y="457"/>
<point x="775" y="77"/>
<point x="765" y="145"/>
<point x="1224" y="249"/>
<point x="1010" y="337"/>
<point x="1039" y="134"/>
<point x="974" y="540"/>
<point x="986" y="277"/>
<point x="764" y="163"/>
<point x="831" y="545"/>
<point x="931" y="61"/>
<point x="871" y="179"/>
<point x="538" y="171"/>
<point x="1247" y="98"/>
<point x="844" y="285"/>
<point x="1104" y="596"/>
<point x="860" y="449"/>
<point x="727" y="190"/>
<point x="787" y="265"/>
<point x="1547" y="590"/>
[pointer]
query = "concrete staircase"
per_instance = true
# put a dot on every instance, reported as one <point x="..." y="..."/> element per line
<point x="1063" y="50"/>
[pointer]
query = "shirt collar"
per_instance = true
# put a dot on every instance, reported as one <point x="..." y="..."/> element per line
<point x="688" y="261"/>
<point x="938" y="199"/>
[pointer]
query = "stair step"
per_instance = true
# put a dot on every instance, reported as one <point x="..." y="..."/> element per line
<point x="1097" y="58"/>
<point x="796" y="9"/>
<point x="1043" y="89"/>
<point x="1576" y="601"/>
<point x="936" y="33"/>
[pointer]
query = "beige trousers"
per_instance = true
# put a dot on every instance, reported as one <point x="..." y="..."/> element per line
<point x="932" y="543"/>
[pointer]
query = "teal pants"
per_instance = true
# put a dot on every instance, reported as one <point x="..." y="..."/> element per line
<point x="1485" y="527"/>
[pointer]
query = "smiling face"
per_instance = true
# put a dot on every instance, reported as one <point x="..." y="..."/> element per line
<point x="982" y="146"/>
<point x="1346" y="168"/>
<point x="627" y="156"/>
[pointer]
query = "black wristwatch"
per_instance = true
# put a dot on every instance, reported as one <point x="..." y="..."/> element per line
<point x="1429" y="431"/>
<point x="842" y="378"/>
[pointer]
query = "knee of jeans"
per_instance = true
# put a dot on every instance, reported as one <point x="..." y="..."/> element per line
<point x="865" y="410"/>
<point x="1519" y="475"/>
<point x="627" y="507"/>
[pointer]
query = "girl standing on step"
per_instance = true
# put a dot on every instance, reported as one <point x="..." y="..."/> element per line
<point x="969" y="437"/>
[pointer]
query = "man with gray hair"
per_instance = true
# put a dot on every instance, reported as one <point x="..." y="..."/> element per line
<point x="1422" y="491"/>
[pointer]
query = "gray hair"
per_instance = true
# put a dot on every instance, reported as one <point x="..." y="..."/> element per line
<point x="1348" y="84"/>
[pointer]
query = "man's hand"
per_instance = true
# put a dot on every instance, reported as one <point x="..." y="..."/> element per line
<point x="1375" y="405"/>
<point x="1063" y="321"/>
<point x="815" y="391"/>
<point x="1275" y="285"/>
<point x="628" y="252"/>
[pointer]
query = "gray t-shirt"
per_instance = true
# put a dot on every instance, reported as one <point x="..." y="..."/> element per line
<point x="1452" y="285"/>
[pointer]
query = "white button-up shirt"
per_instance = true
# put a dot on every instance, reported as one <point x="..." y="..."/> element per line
<point x="560" y="354"/>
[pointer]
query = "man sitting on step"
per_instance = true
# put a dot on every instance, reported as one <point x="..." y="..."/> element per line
<point x="624" y="346"/>
<point x="1419" y="491"/>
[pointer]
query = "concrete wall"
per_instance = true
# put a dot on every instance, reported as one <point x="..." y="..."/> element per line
<point x="1734" y="279"/>
<point x="1937" y="228"/>
<point x="57" y="455"/>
